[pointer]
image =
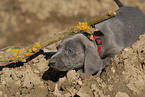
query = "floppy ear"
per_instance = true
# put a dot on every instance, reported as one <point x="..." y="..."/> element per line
<point x="93" y="63"/>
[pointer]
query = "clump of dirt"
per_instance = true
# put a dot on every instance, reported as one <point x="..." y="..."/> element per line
<point x="23" y="22"/>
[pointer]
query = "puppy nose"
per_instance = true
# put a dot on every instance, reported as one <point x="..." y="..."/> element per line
<point x="52" y="63"/>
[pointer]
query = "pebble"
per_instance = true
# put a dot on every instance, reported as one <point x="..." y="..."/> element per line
<point x="121" y="94"/>
<point x="1" y="92"/>
<point x="113" y="70"/>
<point x="126" y="49"/>
<point x="36" y="71"/>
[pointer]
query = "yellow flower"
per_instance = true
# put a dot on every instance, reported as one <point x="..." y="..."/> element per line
<point x="15" y="50"/>
<point x="97" y="30"/>
<point x="36" y="44"/>
<point x="17" y="56"/>
<point x="110" y="12"/>
<point x="71" y="29"/>
<point x="34" y="49"/>
<point x="23" y="60"/>
<point x="19" y="51"/>
<point x="28" y="54"/>
<point x="14" y="59"/>
<point x="29" y="50"/>
<point x="90" y="37"/>
<point x="22" y="49"/>
<point x="83" y="26"/>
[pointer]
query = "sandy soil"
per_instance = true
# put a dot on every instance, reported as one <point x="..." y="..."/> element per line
<point x="23" y="22"/>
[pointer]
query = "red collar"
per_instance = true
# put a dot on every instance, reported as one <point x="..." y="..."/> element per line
<point x="98" y="42"/>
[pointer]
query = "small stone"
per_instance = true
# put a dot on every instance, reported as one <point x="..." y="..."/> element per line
<point x="102" y="95"/>
<point x="36" y="71"/>
<point x="3" y="82"/>
<point x="126" y="49"/>
<point x="80" y="82"/>
<point x="93" y="86"/>
<point x="82" y="94"/>
<point x="56" y="91"/>
<point x="85" y="92"/>
<point x="5" y="95"/>
<point x="1" y="92"/>
<point x="17" y="93"/>
<point x="61" y="81"/>
<point x="123" y="72"/>
<point x="113" y="70"/>
<point x="18" y="82"/>
<point x="110" y="87"/>
<point x="72" y="75"/>
<point x="121" y="94"/>
<point x="28" y="21"/>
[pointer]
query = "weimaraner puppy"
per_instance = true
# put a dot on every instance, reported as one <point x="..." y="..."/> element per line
<point x="81" y="54"/>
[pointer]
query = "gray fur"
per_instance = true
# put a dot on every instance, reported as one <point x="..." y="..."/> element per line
<point x="79" y="53"/>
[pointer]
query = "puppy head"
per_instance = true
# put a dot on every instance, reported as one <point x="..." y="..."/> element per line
<point x="70" y="54"/>
<point x="76" y="52"/>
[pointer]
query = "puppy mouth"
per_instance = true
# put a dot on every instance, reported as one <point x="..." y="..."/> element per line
<point x="60" y="68"/>
<point x="59" y="65"/>
<point x="56" y="69"/>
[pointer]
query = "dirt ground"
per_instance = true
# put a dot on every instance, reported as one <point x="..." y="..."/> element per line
<point x="24" y="22"/>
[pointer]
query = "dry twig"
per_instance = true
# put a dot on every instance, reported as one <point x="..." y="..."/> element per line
<point x="13" y="54"/>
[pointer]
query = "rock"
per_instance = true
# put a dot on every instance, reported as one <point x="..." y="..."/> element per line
<point x="134" y="78"/>
<point x="72" y="75"/>
<point x="121" y="94"/>
<point x="1" y="93"/>
<point x="85" y="91"/>
<point x="113" y="70"/>
<point x="36" y="71"/>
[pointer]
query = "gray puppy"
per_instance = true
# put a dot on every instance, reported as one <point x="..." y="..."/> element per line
<point x="80" y="53"/>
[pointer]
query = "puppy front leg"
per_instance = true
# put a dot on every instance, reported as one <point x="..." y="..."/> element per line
<point x="107" y="59"/>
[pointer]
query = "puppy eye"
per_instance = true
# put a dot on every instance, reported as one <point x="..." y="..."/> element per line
<point x="69" y="51"/>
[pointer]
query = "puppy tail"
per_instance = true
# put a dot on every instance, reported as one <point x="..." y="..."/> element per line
<point x="118" y="3"/>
